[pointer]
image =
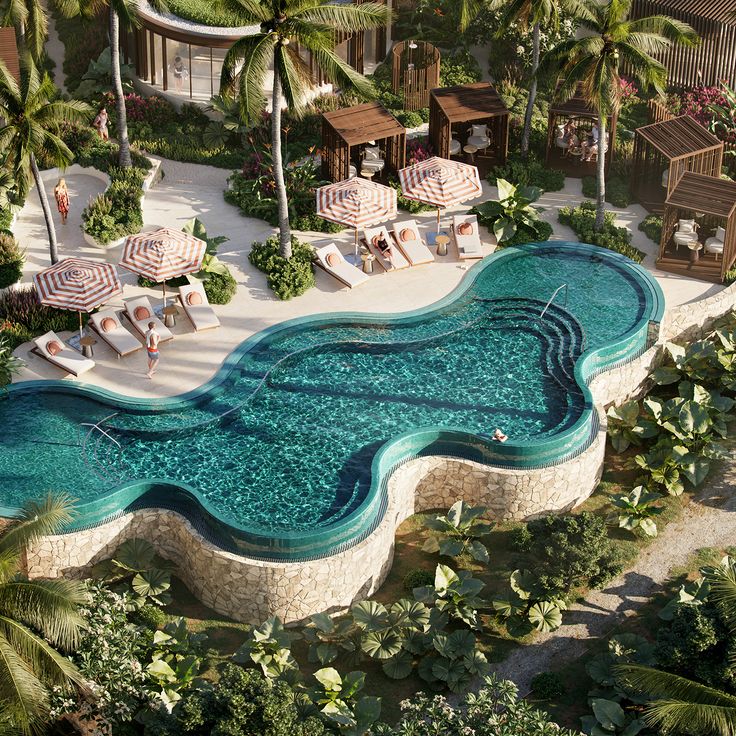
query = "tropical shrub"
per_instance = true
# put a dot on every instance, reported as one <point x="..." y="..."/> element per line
<point x="150" y="616"/>
<point x="99" y="222"/>
<point x="512" y="209"/>
<point x="339" y="702"/>
<point x="220" y="287"/>
<point x="542" y="232"/>
<point x="97" y="80"/>
<point x="328" y="636"/>
<point x="582" y="220"/>
<point x="533" y="173"/>
<point x="617" y="190"/>
<point x="459" y="532"/>
<point x="286" y="278"/>
<point x="528" y="606"/>
<point x="651" y="226"/>
<point x="494" y="710"/>
<point x="417" y="579"/>
<point x="459" y="68"/>
<point x="11" y="260"/>
<point x="22" y="314"/>
<point x="547" y="686"/>
<point x="9" y="364"/>
<point x="269" y="647"/>
<point x="635" y="510"/>
<point x="572" y="550"/>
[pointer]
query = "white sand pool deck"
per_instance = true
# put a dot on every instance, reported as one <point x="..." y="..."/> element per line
<point x="190" y="190"/>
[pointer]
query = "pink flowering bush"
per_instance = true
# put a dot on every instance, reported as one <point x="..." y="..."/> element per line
<point x="628" y="90"/>
<point x="418" y="149"/>
<point x="713" y="107"/>
<point x="153" y="110"/>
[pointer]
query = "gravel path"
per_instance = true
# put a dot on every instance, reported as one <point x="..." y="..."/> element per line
<point x="711" y="522"/>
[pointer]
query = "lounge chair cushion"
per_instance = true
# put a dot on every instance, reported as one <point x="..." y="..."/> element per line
<point x="197" y="307"/>
<point x="53" y="347"/>
<point x="194" y="299"/>
<point x="686" y="226"/>
<point x="465" y="228"/>
<point x="141" y="313"/>
<point x="134" y="308"/>
<point x="333" y="259"/>
<point x="407" y="235"/>
<point x="339" y="267"/>
<point x="65" y="358"/>
<point x="721" y="234"/>
<point x="108" y="324"/>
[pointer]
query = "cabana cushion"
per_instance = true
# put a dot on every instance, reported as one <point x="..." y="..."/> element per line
<point x="194" y="298"/>
<point x="108" y="324"/>
<point x="53" y="347"/>
<point x="141" y="313"/>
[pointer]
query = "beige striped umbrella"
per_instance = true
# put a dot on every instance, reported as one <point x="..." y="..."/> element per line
<point x="77" y="285"/>
<point x="163" y="254"/>
<point x="440" y="182"/>
<point x="356" y="203"/>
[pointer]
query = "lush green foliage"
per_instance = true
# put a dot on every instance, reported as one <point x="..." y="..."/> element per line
<point x="617" y="190"/>
<point x="287" y="278"/>
<point x="269" y="647"/>
<point x="220" y="288"/>
<point x="651" y="226"/>
<point x="417" y="579"/>
<point x="543" y="231"/>
<point x="582" y="220"/>
<point x="207" y="13"/>
<point x="495" y="710"/>
<point x="12" y="259"/>
<point x="459" y="68"/>
<point x="84" y="40"/>
<point x="512" y="209"/>
<point x="9" y="364"/>
<point x="547" y="686"/>
<point x="533" y="173"/>
<point x="23" y="317"/>
<point x="459" y="532"/>
<point x="635" y="510"/>
<point x="97" y="80"/>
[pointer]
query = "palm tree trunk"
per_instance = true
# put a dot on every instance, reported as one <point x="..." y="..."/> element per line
<point x="117" y="84"/>
<point x="600" y="211"/>
<point x="278" y="167"/>
<point x="43" y="198"/>
<point x="525" y="138"/>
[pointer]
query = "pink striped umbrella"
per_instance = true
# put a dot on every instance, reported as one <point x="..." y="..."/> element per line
<point x="77" y="285"/>
<point x="356" y="203"/>
<point x="440" y="182"/>
<point x="163" y="254"/>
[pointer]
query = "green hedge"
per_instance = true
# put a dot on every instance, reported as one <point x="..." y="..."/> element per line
<point x="207" y="13"/>
<point x="220" y="287"/>
<point x="524" y="235"/>
<point x="617" y="190"/>
<point x="11" y="260"/>
<point x="531" y="173"/>
<point x="287" y="278"/>
<point x="582" y="220"/>
<point x="651" y="226"/>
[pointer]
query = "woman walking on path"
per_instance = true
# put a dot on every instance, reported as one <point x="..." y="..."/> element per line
<point x="100" y="124"/>
<point x="61" y="195"/>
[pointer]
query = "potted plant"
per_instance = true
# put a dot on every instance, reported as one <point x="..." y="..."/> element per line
<point x="100" y="227"/>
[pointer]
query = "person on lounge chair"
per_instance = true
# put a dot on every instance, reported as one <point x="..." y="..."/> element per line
<point x="385" y="248"/>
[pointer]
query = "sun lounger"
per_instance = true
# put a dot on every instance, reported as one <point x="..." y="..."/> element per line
<point x="467" y="237"/>
<point x="196" y="306"/>
<point x="52" y="348"/>
<point x="108" y="326"/>
<point x="329" y="259"/>
<point x="406" y="235"/>
<point x="398" y="258"/>
<point x="140" y="312"/>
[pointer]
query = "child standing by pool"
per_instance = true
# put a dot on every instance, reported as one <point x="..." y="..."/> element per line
<point x="152" y="340"/>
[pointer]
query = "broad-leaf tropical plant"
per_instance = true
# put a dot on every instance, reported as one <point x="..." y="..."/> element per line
<point x="592" y="60"/>
<point x="627" y="425"/>
<point x="31" y="114"/>
<point x="210" y="263"/>
<point x="285" y="27"/>
<point x="512" y="209"/>
<point x="459" y="532"/>
<point x="456" y="594"/>
<point x="37" y="618"/>
<point x="338" y="700"/>
<point x="269" y="646"/>
<point x="526" y="608"/>
<point x="636" y="510"/>
<point x="9" y="365"/>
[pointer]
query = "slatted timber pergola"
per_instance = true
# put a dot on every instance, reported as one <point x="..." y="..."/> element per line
<point x="712" y="202"/>
<point x="347" y="131"/>
<point x="415" y="69"/>
<point x="465" y="105"/>
<point x="678" y="145"/>
<point x="714" y="58"/>
<point x="578" y="110"/>
<point x="9" y="51"/>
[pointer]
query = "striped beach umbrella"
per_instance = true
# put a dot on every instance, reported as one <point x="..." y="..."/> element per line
<point x="440" y="182"/>
<point x="163" y="254"/>
<point x="356" y="203"/>
<point x="77" y="285"/>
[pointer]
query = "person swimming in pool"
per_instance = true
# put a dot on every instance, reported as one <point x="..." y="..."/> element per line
<point x="499" y="436"/>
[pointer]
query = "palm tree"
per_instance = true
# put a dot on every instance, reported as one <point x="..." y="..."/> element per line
<point x="29" y="20"/>
<point x="681" y="705"/>
<point x="534" y="13"/>
<point x="119" y="12"/>
<point x="286" y="26"/>
<point x="36" y="618"/>
<point x="592" y="61"/>
<point x="32" y="114"/>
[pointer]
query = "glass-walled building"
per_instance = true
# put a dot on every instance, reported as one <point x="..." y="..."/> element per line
<point x="184" y="59"/>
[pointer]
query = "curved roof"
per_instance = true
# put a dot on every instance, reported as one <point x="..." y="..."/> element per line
<point x="678" y="137"/>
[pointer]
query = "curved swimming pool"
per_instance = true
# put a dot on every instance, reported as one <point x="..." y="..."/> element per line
<point x="285" y="454"/>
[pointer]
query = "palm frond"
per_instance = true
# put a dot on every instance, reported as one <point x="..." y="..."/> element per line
<point x="347" y="17"/>
<point x="253" y="10"/>
<point x="294" y="76"/>
<point x="673" y="30"/>
<point x="38" y="519"/>
<point x="648" y="71"/>
<point x="36" y="28"/>
<point x="341" y="74"/>
<point x="469" y="10"/>
<point x="245" y="67"/>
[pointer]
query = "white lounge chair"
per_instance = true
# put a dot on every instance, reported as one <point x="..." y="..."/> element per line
<point x="140" y="312"/>
<point x="686" y="233"/>
<point x="467" y="236"/>
<point x="372" y="160"/>
<point x="108" y="326"/>
<point x="480" y="137"/>
<point x="196" y="306"/>
<point x="455" y="147"/>
<point x="52" y="348"/>
<point x="330" y="260"/>
<point x="715" y="244"/>
<point x="406" y="234"/>
<point x="398" y="259"/>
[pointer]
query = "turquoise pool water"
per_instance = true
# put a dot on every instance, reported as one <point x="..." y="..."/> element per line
<point x="285" y="455"/>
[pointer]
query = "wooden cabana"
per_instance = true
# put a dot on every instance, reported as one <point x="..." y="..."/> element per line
<point x="664" y="151"/>
<point x="711" y="202"/>
<point x="452" y="112"/>
<point x="580" y="112"/>
<point x="714" y="58"/>
<point x="346" y="133"/>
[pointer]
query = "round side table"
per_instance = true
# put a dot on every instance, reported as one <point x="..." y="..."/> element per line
<point x="86" y="344"/>
<point x="368" y="259"/>
<point x="471" y="151"/>
<point x="170" y="313"/>
<point x="442" y="241"/>
<point x="694" y="247"/>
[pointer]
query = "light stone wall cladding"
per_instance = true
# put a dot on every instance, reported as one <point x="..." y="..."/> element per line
<point x="252" y="590"/>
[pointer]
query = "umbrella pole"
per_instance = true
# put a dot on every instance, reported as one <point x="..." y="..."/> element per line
<point x="438" y="221"/>
<point x="164" y="285"/>
<point x="80" y="324"/>
<point x="357" y="257"/>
